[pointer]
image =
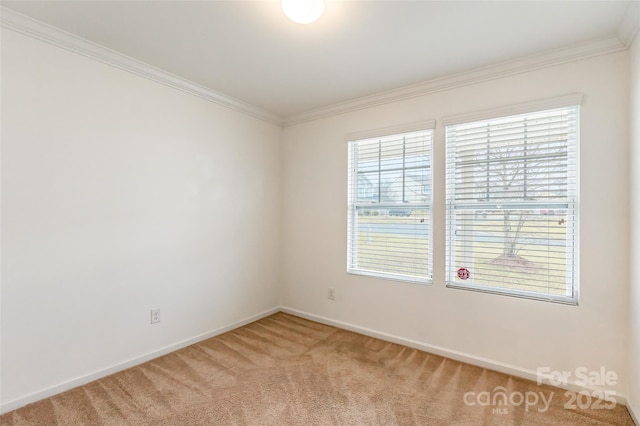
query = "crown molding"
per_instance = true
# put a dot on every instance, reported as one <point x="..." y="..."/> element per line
<point x="30" y="27"/>
<point x="630" y="25"/>
<point x="503" y="69"/>
<point x="627" y="32"/>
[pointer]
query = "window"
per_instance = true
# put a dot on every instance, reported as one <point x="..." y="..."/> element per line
<point x="511" y="196"/>
<point x="389" y="212"/>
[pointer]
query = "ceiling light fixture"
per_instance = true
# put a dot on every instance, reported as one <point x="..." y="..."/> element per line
<point x="303" y="11"/>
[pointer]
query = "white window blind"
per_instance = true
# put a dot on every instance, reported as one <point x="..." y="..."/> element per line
<point x="511" y="195"/>
<point x="389" y="206"/>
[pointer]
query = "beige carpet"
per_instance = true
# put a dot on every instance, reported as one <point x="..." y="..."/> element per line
<point x="284" y="370"/>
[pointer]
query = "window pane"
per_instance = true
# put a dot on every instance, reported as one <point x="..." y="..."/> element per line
<point x="393" y="241"/>
<point x="511" y="200"/>
<point x="389" y="206"/>
<point x="528" y="250"/>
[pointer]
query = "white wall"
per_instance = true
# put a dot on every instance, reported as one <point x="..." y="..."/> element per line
<point x="119" y="195"/>
<point x="634" y="300"/>
<point x="520" y="333"/>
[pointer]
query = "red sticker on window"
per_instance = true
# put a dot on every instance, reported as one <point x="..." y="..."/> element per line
<point x="463" y="273"/>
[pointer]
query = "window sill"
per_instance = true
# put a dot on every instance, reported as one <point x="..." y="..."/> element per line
<point x="516" y="293"/>
<point x="391" y="277"/>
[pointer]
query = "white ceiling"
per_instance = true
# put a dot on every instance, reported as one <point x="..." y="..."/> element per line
<point x="248" y="49"/>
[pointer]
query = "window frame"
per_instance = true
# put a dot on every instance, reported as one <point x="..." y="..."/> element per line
<point x="353" y="206"/>
<point x="573" y="100"/>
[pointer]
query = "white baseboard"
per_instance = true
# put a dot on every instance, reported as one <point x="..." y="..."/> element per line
<point x="79" y="381"/>
<point x="452" y="354"/>
<point x="634" y="417"/>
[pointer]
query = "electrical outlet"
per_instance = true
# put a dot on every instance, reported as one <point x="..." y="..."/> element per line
<point x="155" y="315"/>
<point x="332" y="294"/>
